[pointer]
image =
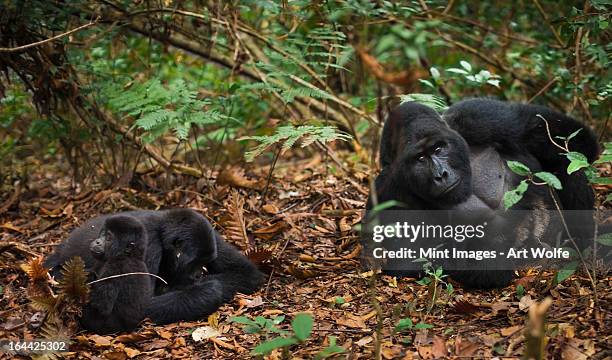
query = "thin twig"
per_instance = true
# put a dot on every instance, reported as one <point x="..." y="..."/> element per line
<point x="552" y="28"/>
<point x="126" y="274"/>
<point x="549" y="136"/>
<point x="23" y="47"/>
<point x="542" y="90"/>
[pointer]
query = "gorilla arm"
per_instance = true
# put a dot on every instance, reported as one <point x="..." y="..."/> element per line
<point x="230" y="272"/>
<point x="104" y="299"/>
<point x="517" y="128"/>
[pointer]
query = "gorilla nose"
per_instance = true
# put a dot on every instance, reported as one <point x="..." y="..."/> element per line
<point x="441" y="176"/>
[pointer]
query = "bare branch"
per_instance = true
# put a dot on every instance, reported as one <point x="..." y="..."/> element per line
<point x="38" y="43"/>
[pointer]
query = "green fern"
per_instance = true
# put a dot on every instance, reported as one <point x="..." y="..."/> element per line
<point x="433" y="101"/>
<point x="159" y="109"/>
<point x="290" y="134"/>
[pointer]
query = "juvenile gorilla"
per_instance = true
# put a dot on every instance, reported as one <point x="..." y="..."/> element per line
<point x="118" y="304"/>
<point x="460" y="163"/>
<point x="181" y="244"/>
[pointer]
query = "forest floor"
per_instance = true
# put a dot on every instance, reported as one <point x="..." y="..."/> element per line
<point x="306" y="222"/>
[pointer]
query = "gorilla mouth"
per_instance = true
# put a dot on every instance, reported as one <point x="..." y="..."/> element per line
<point x="451" y="187"/>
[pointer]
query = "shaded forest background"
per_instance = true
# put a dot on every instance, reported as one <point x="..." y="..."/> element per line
<point x="266" y="115"/>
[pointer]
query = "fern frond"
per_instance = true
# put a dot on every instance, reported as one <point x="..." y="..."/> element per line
<point x="289" y="135"/>
<point x="433" y="101"/>
<point x="35" y="269"/>
<point x="73" y="284"/>
<point x="44" y="303"/>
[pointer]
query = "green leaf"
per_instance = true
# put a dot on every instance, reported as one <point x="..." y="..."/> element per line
<point x="449" y="288"/>
<point x="466" y="65"/>
<point x="577" y="161"/>
<point x="242" y="320"/>
<point x="549" y="179"/>
<point x="493" y="82"/>
<point x="424" y="281"/>
<point x="601" y="180"/>
<point x="605" y="239"/>
<point x="302" y="326"/>
<point x="514" y="196"/>
<point x="339" y="300"/>
<point x="276" y="343"/>
<point x="404" y="324"/>
<point x="565" y="273"/>
<point x="252" y="329"/>
<point x="260" y="320"/>
<point x="518" y="168"/>
<point x="457" y="71"/>
<point x="332" y="349"/>
<point x="290" y="134"/>
<point x="434" y="73"/>
<point x="385" y="205"/>
<point x="433" y="101"/>
<point x="520" y="291"/>
<point x="605" y="158"/>
<point x="422" y="326"/>
<point x="572" y="135"/>
<point x="576" y="156"/>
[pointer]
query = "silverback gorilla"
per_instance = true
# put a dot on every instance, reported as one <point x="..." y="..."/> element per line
<point x="181" y="243"/>
<point x="458" y="162"/>
<point x="118" y="304"/>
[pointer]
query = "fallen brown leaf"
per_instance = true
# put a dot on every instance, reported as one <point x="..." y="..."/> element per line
<point x="235" y="177"/>
<point x="439" y="349"/>
<point x="465" y="348"/>
<point x="509" y="331"/>
<point x="352" y="321"/>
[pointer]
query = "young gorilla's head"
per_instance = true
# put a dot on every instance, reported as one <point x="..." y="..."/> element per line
<point x="189" y="242"/>
<point x="430" y="159"/>
<point x="121" y="237"/>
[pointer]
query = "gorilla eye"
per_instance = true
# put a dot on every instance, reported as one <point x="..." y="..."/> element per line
<point x="421" y="158"/>
<point x="438" y="150"/>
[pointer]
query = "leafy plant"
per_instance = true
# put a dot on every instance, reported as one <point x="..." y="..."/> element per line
<point x="481" y="77"/>
<point x="289" y="135"/>
<point x="578" y="161"/>
<point x="515" y="195"/>
<point x="464" y="72"/>
<point x="520" y="291"/>
<point x="435" y="102"/>
<point x="302" y="328"/>
<point x="159" y="109"/>
<point x="407" y="324"/>
<point x="260" y="324"/>
<point x="331" y="350"/>
<point x="433" y="278"/>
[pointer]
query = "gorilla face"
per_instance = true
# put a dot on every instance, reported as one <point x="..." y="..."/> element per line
<point x="436" y="168"/>
<point x="428" y="158"/>
<point x="189" y="242"/>
<point x="121" y="236"/>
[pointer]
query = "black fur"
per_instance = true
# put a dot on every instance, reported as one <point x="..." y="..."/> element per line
<point x="414" y="129"/>
<point x="502" y="131"/>
<point x="180" y="243"/>
<point x="118" y="304"/>
<point x="517" y="129"/>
